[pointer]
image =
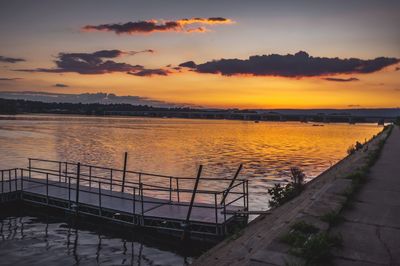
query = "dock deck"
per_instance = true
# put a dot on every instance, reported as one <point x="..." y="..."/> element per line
<point x="104" y="193"/>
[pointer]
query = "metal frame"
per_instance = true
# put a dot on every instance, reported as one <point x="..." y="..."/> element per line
<point x="132" y="186"/>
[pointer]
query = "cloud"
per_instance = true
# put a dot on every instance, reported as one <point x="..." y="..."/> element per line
<point x="300" y="64"/>
<point x="92" y="63"/>
<point x="150" y="72"/>
<point x="341" y="79"/>
<point x="60" y="85"/>
<point x="9" y="79"/>
<point x="10" y="59"/>
<point x="102" y="98"/>
<point x="150" y="26"/>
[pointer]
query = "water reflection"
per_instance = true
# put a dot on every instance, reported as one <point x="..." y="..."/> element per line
<point x="178" y="146"/>
<point x="28" y="240"/>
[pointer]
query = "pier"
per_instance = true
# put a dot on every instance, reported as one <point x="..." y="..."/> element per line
<point x="178" y="206"/>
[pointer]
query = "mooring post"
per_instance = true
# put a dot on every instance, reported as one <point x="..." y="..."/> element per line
<point x="124" y="172"/>
<point x="196" y="184"/>
<point x="231" y="184"/>
<point x="78" y="173"/>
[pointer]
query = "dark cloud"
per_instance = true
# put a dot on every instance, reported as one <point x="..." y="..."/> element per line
<point x="150" y="72"/>
<point x="298" y="65"/>
<point x="102" y="98"/>
<point x="60" y="85"/>
<point x="91" y="63"/>
<point x="149" y="26"/>
<point x="9" y="79"/>
<point x="341" y="79"/>
<point x="10" y="59"/>
<point x="189" y="64"/>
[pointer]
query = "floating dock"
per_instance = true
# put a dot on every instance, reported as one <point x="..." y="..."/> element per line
<point x="174" y="205"/>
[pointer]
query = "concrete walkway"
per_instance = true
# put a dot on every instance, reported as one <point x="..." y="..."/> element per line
<point x="371" y="230"/>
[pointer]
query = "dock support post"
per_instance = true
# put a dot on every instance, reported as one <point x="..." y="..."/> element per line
<point x="231" y="184"/>
<point x="124" y="172"/>
<point x="78" y="173"/>
<point x="196" y="184"/>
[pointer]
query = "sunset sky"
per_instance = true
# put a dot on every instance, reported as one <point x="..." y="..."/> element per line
<point x="280" y="54"/>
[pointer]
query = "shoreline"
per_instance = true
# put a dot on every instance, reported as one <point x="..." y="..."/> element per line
<point x="264" y="231"/>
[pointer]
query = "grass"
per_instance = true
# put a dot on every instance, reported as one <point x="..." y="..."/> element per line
<point x="308" y="243"/>
<point x="332" y="218"/>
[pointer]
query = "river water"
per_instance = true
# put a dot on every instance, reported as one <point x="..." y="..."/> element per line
<point x="166" y="146"/>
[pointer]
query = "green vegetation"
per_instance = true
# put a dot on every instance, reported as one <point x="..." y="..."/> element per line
<point x="353" y="148"/>
<point x="397" y="122"/>
<point x="307" y="242"/>
<point x="281" y="194"/>
<point x="332" y="218"/>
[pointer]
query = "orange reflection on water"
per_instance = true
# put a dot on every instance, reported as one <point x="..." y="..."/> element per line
<point x="178" y="146"/>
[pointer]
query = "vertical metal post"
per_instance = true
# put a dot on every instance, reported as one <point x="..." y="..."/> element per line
<point x="244" y="195"/>
<point x="2" y="182"/>
<point x="247" y="195"/>
<point x="111" y="179"/>
<point x="142" y="199"/>
<point x="16" y="181"/>
<point x="90" y="176"/>
<point x="124" y="172"/>
<point x="69" y="191"/>
<point x="170" y="189"/>
<point x="100" y="198"/>
<point x="9" y="179"/>
<point x="78" y="173"/>
<point x="47" y="188"/>
<point x="66" y="173"/>
<point x="22" y="182"/>
<point x="59" y="172"/>
<point x="216" y="213"/>
<point x="30" y="165"/>
<point x="224" y="228"/>
<point x="133" y="205"/>
<point x="177" y="188"/>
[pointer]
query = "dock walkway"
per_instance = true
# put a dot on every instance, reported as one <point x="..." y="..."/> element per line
<point x="137" y="202"/>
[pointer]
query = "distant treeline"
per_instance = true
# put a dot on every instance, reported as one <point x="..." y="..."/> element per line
<point x="23" y="106"/>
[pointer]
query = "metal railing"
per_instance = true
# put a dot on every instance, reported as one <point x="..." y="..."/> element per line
<point x="142" y="189"/>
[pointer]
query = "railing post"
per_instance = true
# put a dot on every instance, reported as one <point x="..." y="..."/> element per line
<point x="134" y="205"/>
<point x="78" y="173"/>
<point x="196" y="184"/>
<point x="124" y="172"/>
<point x="142" y="199"/>
<point x="47" y="188"/>
<point x="90" y="176"/>
<point x="216" y="213"/>
<point x="69" y="191"/>
<point x="59" y="172"/>
<point x="225" y="194"/>
<point x="111" y="179"/>
<point x="177" y="189"/>
<point x="30" y="166"/>
<point x="66" y="173"/>
<point x="247" y="195"/>
<point x="170" y="189"/>
<point x="100" y="198"/>
<point x="2" y="181"/>
<point x="9" y="180"/>
<point x="16" y="181"/>
<point x="22" y="182"/>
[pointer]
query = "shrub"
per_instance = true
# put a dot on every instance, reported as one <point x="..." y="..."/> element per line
<point x="281" y="194"/>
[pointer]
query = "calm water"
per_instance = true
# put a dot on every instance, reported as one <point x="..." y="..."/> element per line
<point x="171" y="147"/>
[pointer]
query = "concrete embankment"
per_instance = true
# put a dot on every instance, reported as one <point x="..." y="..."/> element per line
<point x="260" y="243"/>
